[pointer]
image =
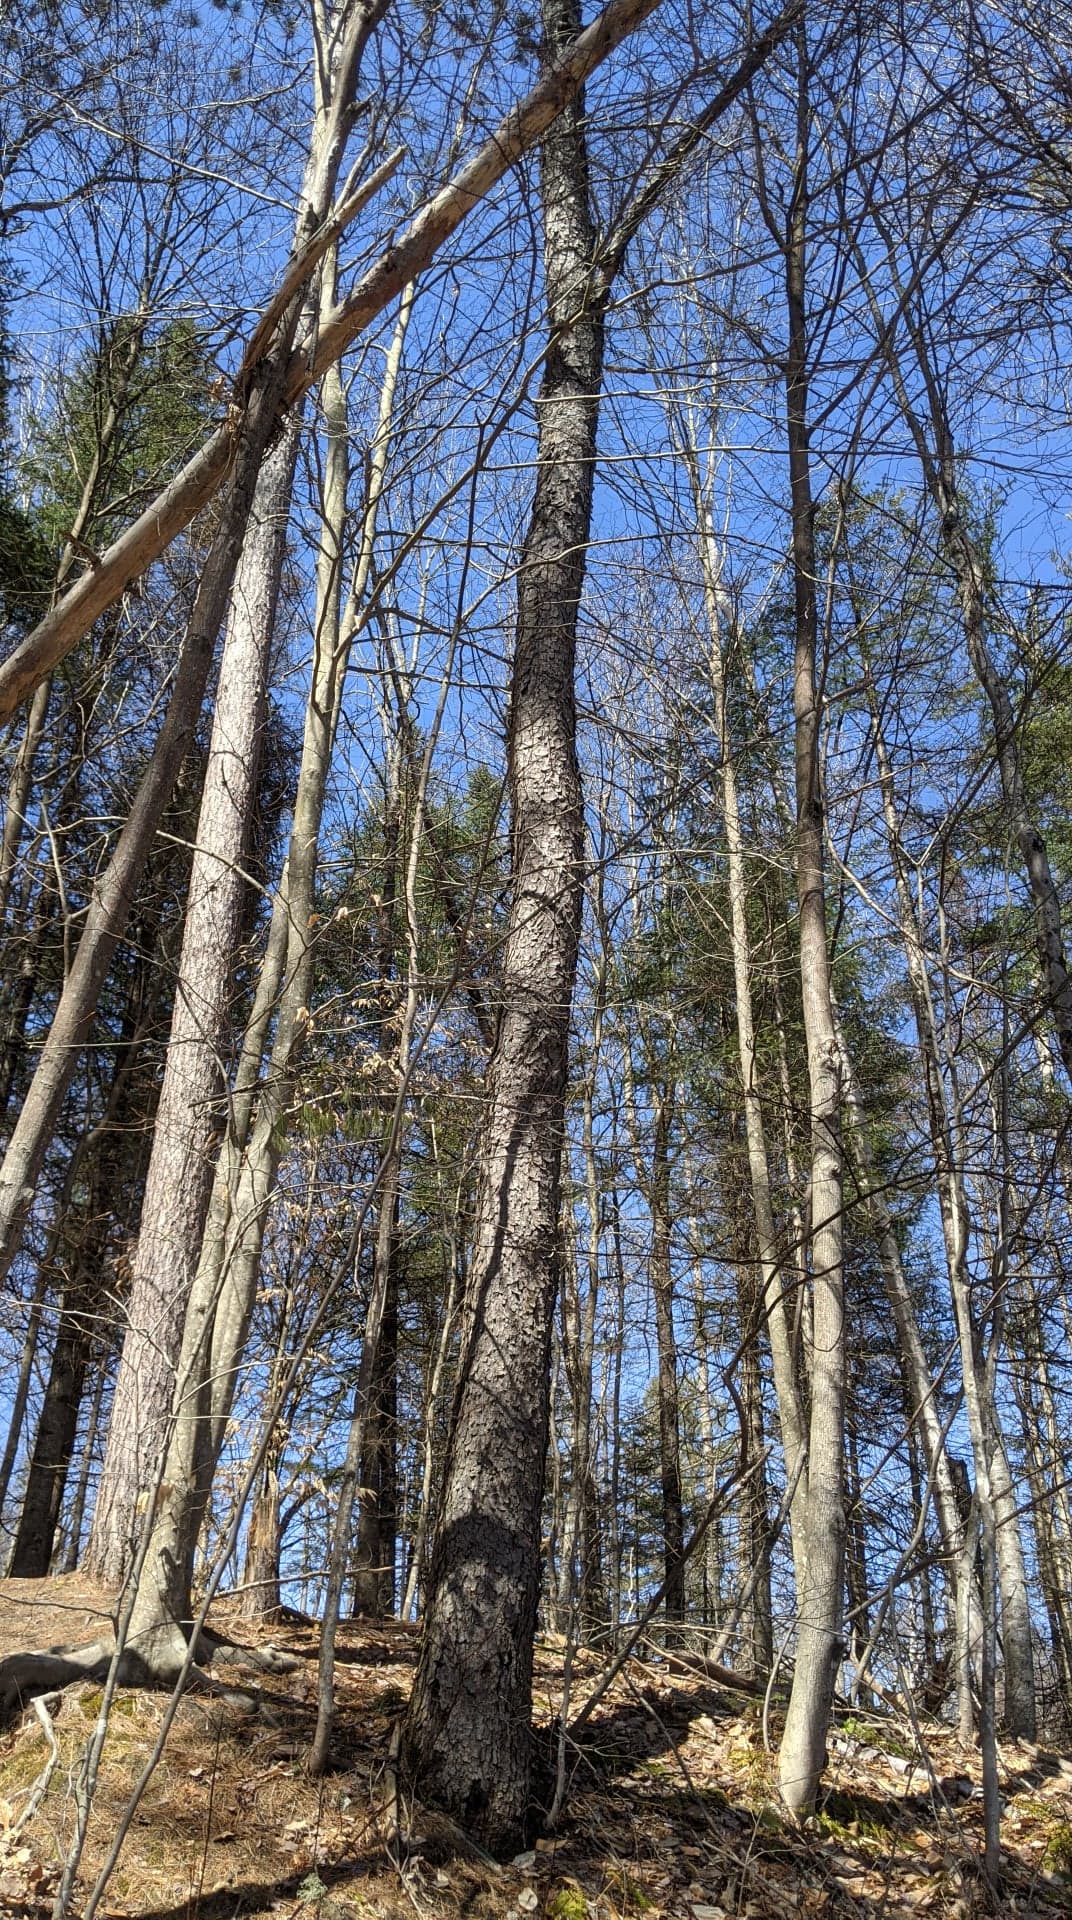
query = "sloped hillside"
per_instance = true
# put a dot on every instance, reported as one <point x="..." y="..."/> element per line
<point x="669" y="1806"/>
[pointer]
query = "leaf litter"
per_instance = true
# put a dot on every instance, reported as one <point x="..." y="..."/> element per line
<point x="670" y="1812"/>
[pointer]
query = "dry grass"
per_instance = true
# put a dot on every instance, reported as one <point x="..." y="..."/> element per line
<point x="670" y="1814"/>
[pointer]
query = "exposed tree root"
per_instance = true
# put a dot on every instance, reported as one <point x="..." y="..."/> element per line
<point x="154" y="1659"/>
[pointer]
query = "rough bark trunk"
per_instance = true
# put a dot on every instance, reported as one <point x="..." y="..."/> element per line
<point x="224" y="1289"/>
<point x="374" y="1556"/>
<point x="103" y="1179"/>
<point x="467" y="1730"/>
<point x="377" y="1520"/>
<point x="260" y="1574"/>
<point x="181" y="1172"/>
<point x="188" y="1116"/>
<point x="115" y="892"/>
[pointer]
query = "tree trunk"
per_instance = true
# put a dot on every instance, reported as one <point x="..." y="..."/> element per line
<point x="72" y="1551"/>
<point x="662" y="1288"/>
<point x="467" y="1730"/>
<point x="115" y="892"/>
<point x="377" y="1520"/>
<point x="374" y="1558"/>
<point x="107" y="1167"/>
<point x="400" y="262"/>
<point x="774" y="1308"/>
<point x="224" y="1289"/>
<point x="583" y="1543"/>
<point x="856" y="1559"/>
<point x="939" y="465"/>
<point x="108" y="413"/>
<point x="919" y="1384"/>
<point x="755" y="1560"/>
<point x="181" y="1172"/>
<point x="432" y="1401"/>
<point x="188" y="1116"/>
<point x="819" y="1640"/>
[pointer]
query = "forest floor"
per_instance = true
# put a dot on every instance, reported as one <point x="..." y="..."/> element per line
<point x="670" y="1814"/>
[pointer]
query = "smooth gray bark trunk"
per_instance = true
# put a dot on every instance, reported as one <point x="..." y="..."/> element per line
<point x="775" y="1309"/>
<point x="802" y="1756"/>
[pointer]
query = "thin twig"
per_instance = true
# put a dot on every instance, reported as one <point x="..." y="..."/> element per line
<point x="40" y="1785"/>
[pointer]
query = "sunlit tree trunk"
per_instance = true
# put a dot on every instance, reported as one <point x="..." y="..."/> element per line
<point x="773" y="1308"/>
<point x="821" y="1603"/>
<point x="189" y="1115"/>
<point x="660" y="1270"/>
<point x="467" y="1729"/>
<point x="116" y="890"/>
<point x="181" y="1171"/>
<point x="107" y="417"/>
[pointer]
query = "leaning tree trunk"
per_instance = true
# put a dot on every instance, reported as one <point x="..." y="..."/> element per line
<point x="467" y="1736"/>
<point x="180" y="1169"/>
<point x="267" y="381"/>
<point x="406" y="255"/>
<point x="108" y="416"/>
<point x="224" y="1288"/>
<point x="819" y="1638"/>
<point x="115" y="892"/>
